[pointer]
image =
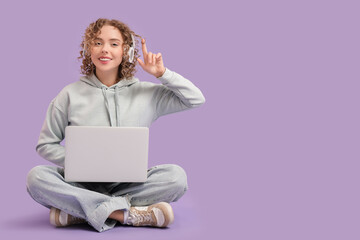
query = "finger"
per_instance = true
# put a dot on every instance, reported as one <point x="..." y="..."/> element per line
<point x="144" y="49"/>
<point x="142" y="64"/>
<point x="159" y="60"/>
<point x="158" y="57"/>
<point x="154" y="59"/>
<point x="150" y="57"/>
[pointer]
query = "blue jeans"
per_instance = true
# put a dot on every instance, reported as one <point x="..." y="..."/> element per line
<point x="94" y="202"/>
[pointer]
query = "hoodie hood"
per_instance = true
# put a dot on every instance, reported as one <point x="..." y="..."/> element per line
<point x="95" y="82"/>
<point x="92" y="80"/>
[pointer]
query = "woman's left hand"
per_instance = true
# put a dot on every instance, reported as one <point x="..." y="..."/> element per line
<point x="153" y="62"/>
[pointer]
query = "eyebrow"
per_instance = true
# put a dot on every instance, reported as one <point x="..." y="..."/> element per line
<point x="113" y="39"/>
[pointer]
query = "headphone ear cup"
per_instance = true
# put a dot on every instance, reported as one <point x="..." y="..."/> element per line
<point x="131" y="54"/>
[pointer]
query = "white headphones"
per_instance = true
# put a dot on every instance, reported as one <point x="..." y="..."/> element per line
<point x="131" y="51"/>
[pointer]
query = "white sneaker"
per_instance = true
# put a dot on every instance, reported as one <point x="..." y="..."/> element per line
<point x="156" y="215"/>
<point x="59" y="218"/>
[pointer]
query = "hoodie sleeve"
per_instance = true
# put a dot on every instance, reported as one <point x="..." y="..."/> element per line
<point x="176" y="94"/>
<point x="52" y="133"/>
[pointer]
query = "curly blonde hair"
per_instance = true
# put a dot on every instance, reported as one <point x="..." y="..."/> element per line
<point x="126" y="68"/>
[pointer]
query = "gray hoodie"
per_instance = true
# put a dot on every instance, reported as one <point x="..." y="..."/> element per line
<point x="128" y="103"/>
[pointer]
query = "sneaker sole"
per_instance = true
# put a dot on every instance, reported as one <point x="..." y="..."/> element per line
<point x="54" y="217"/>
<point x="169" y="210"/>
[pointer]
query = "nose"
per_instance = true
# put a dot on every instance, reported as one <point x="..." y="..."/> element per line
<point x="105" y="48"/>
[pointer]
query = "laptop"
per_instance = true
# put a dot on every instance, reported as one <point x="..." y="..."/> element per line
<point x="106" y="154"/>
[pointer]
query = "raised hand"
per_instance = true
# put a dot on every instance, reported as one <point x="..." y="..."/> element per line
<point x="153" y="62"/>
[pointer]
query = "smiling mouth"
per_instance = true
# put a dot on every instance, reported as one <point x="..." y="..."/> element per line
<point x="104" y="59"/>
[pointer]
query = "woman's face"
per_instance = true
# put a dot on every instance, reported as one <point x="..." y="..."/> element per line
<point x="107" y="51"/>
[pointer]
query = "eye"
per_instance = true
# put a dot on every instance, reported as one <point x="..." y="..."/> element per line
<point x="115" y="44"/>
<point x="97" y="43"/>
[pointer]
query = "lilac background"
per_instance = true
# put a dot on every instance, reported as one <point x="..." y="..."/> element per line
<point x="274" y="152"/>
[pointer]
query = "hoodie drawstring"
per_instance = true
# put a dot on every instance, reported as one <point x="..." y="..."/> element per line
<point x="116" y="106"/>
<point x="95" y="82"/>
<point x="107" y="104"/>
<point x="117" y="111"/>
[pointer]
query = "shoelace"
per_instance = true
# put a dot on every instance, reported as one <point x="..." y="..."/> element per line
<point x="140" y="217"/>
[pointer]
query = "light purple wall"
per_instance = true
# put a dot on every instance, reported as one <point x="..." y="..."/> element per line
<point x="274" y="152"/>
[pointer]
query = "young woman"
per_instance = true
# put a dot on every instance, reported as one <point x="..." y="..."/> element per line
<point x="110" y="95"/>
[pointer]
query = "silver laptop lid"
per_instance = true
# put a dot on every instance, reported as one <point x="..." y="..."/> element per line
<point x="106" y="154"/>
